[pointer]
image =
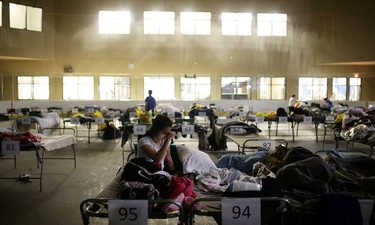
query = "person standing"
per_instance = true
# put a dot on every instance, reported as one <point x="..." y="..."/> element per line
<point x="150" y="103"/>
<point x="328" y="102"/>
<point x="292" y="102"/>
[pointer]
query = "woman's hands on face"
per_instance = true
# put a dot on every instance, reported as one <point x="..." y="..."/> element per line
<point x="171" y="135"/>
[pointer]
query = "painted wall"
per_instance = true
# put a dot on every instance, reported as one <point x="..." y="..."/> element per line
<point x="319" y="32"/>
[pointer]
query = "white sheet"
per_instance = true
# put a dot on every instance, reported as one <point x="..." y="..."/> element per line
<point x="54" y="142"/>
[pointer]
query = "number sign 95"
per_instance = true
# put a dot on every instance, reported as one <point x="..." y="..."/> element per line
<point x="129" y="212"/>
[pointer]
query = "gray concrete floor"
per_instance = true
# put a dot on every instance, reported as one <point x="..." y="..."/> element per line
<point x="21" y="203"/>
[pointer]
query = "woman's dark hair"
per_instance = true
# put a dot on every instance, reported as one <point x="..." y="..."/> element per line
<point x="159" y="123"/>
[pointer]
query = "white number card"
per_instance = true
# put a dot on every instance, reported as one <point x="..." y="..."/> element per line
<point x="127" y="212"/>
<point x="268" y="144"/>
<point x="111" y="114"/>
<point x="366" y="208"/>
<point x="259" y="119"/>
<point x="74" y="120"/>
<point x="187" y="129"/>
<point x="202" y="114"/>
<point x="307" y="119"/>
<point x="283" y="119"/>
<point x="139" y="129"/>
<point x="75" y="110"/>
<point x="99" y="120"/>
<point x="241" y="211"/>
<point x="132" y="114"/>
<point x="236" y="130"/>
<point x="26" y="120"/>
<point x="10" y="147"/>
<point x="170" y="114"/>
<point x="330" y="119"/>
<point x="90" y="110"/>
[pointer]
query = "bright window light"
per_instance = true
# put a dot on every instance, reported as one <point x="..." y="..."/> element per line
<point x="195" y="23"/>
<point x="1" y="13"/>
<point x="236" y="24"/>
<point x="163" y="88"/>
<point x="271" y="24"/>
<point x="159" y="22"/>
<point x="114" y="22"/>
<point x="34" y="18"/>
<point x="17" y="16"/>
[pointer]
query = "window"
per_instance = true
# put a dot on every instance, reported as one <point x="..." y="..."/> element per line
<point x="114" y="22"/>
<point x="235" y="88"/>
<point x="114" y="88"/>
<point x="159" y="22"/>
<point x="197" y="88"/>
<point x="236" y="24"/>
<point x="25" y="17"/>
<point x="1" y="13"/>
<point x="354" y="89"/>
<point x="195" y="23"/>
<point x="78" y="88"/>
<point x="162" y="87"/>
<point x="33" y="87"/>
<point x="271" y="24"/>
<point x="339" y="88"/>
<point x="311" y="88"/>
<point x="271" y="88"/>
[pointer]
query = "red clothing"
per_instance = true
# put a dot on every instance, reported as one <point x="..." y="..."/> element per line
<point x="181" y="185"/>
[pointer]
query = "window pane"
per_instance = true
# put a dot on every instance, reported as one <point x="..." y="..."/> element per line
<point x="271" y="24"/>
<point x="264" y="88"/>
<point x="1" y="13"/>
<point x="114" y="22"/>
<point x="34" y="18"/>
<point x="78" y="88"/>
<point x="312" y="88"/>
<point x="163" y="88"/>
<point x="339" y="88"/>
<point x="235" y="87"/>
<point x="236" y="23"/>
<point x="114" y="88"/>
<point x="159" y="22"/>
<point x="354" y="89"/>
<point x="17" y="16"/>
<point x="198" y="88"/>
<point x="30" y="87"/>
<point x="195" y="23"/>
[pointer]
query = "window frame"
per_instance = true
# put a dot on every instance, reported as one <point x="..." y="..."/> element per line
<point x="159" y="84"/>
<point x="114" y="22"/>
<point x="195" y="88"/>
<point x="25" y="17"/>
<point x="274" y="23"/>
<point x="32" y="86"/>
<point x="272" y="87"/>
<point x="159" y="22"/>
<point x="240" y="23"/>
<point x="195" y="23"/>
<point x="234" y="95"/>
<point x="120" y="84"/>
<point x="78" y="85"/>
<point x="315" y="84"/>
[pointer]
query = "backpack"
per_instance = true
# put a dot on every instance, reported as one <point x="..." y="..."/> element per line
<point x="280" y="112"/>
<point x="140" y="170"/>
<point x="139" y="190"/>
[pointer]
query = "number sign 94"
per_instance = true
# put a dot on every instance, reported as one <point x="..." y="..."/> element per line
<point x="241" y="211"/>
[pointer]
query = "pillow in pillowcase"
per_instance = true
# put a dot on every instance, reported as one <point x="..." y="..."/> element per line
<point x="194" y="160"/>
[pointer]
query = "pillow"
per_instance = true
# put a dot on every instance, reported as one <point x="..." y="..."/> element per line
<point x="194" y="160"/>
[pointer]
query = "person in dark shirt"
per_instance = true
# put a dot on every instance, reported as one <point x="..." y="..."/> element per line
<point x="150" y="103"/>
